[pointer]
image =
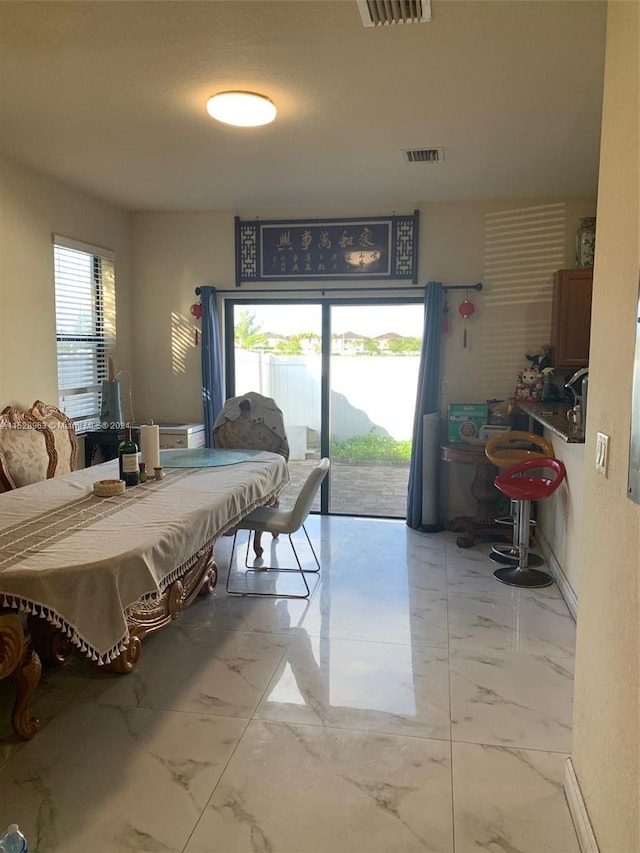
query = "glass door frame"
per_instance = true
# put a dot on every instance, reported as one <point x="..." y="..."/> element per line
<point x="326" y="303"/>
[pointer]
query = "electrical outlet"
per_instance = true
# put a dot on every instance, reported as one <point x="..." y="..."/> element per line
<point x="444" y="387"/>
<point x="602" y="453"/>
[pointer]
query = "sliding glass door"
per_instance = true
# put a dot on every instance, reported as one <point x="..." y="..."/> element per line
<point x="344" y="373"/>
<point x="373" y="372"/>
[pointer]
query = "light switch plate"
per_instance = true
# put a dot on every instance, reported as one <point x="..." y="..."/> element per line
<point x="602" y="453"/>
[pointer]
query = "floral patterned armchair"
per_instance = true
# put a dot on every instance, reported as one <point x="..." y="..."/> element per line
<point x="64" y="435"/>
<point x="35" y="445"/>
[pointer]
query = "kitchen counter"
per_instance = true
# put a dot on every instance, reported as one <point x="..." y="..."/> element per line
<point x="552" y="414"/>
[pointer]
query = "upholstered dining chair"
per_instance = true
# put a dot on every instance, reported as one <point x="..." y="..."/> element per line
<point x="35" y="445"/>
<point x="64" y="435"/>
<point x="270" y="519"/>
<point x="27" y="449"/>
<point x="251" y="422"/>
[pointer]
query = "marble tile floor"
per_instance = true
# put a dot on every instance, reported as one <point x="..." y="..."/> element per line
<point x="412" y="704"/>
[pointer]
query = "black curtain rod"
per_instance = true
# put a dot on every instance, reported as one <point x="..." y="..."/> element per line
<point x="323" y="290"/>
<point x="477" y="286"/>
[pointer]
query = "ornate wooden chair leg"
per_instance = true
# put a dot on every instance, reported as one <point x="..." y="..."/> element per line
<point x="26" y="678"/>
<point x="18" y="659"/>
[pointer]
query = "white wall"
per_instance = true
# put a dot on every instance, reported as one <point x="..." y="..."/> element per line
<point x="294" y="381"/>
<point x="173" y="253"/>
<point x="33" y="207"/>
<point x="176" y="252"/>
<point x="560" y="516"/>
<point x="606" y="732"/>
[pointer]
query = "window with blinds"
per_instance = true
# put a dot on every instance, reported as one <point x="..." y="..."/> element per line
<point x="85" y="326"/>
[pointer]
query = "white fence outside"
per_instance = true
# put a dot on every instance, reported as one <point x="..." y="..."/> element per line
<point x="367" y="393"/>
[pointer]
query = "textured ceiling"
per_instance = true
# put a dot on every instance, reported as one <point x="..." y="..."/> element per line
<point x="110" y="97"/>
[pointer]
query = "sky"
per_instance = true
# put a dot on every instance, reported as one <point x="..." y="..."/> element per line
<point x="367" y="320"/>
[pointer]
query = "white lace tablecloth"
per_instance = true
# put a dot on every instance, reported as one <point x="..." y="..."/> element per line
<point x="79" y="561"/>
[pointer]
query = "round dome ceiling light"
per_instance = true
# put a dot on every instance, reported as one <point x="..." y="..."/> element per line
<point x="243" y="109"/>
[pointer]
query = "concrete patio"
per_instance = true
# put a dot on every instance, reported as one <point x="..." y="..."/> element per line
<point x="373" y="490"/>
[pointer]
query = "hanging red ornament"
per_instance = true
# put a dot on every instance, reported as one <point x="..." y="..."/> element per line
<point x="466" y="309"/>
<point x="196" y="311"/>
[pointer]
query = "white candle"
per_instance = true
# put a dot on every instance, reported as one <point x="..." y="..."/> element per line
<point x="150" y="446"/>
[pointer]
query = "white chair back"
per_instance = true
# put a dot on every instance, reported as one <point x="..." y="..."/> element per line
<point x="276" y="521"/>
<point x="302" y="506"/>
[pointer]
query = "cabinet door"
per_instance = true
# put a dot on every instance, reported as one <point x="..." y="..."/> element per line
<point x="571" y="317"/>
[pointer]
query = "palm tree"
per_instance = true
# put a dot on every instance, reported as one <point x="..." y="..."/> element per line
<point x="247" y="331"/>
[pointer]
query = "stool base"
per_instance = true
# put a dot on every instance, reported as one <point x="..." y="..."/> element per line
<point x="509" y="556"/>
<point x="515" y="576"/>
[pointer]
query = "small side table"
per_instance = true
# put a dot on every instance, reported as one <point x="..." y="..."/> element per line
<point x="482" y="524"/>
<point x="106" y="441"/>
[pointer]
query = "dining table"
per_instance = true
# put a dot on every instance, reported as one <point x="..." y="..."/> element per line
<point x="90" y="574"/>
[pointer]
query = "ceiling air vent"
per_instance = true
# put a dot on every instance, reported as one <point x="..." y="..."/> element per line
<point x="382" y="13"/>
<point x="424" y="155"/>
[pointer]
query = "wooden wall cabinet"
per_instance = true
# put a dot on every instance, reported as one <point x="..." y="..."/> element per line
<point x="571" y="317"/>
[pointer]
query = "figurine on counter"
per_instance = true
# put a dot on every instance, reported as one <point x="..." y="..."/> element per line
<point x="541" y="359"/>
<point x="534" y="382"/>
<point x="529" y="385"/>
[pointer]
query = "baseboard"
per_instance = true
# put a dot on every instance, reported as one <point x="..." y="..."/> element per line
<point x="558" y="575"/>
<point x="581" y="822"/>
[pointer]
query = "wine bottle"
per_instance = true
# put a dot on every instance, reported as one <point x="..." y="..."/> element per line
<point x="128" y="459"/>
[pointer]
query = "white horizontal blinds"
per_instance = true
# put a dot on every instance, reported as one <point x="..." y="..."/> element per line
<point x="85" y="326"/>
<point x="523" y="249"/>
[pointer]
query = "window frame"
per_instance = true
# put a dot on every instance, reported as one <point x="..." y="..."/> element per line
<point x="100" y="341"/>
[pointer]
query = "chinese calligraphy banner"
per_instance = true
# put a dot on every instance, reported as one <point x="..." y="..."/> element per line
<point x="381" y="248"/>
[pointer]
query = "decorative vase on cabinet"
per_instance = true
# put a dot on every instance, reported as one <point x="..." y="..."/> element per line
<point x="586" y="242"/>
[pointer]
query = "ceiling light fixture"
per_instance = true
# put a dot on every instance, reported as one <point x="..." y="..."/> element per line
<point x="243" y="109"/>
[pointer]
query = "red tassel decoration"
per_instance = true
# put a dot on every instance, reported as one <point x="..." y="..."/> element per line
<point x="466" y="309"/>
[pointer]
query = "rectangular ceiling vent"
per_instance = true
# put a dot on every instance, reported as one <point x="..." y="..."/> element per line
<point x="383" y="13"/>
<point x="424" y="155"/>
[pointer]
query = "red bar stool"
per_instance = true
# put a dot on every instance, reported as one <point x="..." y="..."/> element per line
<point x="504" y="450"/>
<point x="522" y="486"/>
